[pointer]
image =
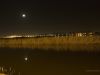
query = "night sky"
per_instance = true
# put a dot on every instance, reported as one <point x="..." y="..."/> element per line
<point x="48" y="16"/>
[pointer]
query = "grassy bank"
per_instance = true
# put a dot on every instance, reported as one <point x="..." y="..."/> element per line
<point x="65" y="43"/>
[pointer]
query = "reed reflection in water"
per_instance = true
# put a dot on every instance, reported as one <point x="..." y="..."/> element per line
<point x="58" y="43"/>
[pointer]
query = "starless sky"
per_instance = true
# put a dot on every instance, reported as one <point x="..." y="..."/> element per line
<point x="48" y="16"/>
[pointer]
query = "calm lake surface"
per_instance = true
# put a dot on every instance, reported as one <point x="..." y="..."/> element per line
<point x="50" y="62"/>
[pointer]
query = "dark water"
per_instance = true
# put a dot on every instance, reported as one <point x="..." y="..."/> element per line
<point x="50" y="62"/>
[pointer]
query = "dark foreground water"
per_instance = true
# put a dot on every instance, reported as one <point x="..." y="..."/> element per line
<point x="50" y="62"/>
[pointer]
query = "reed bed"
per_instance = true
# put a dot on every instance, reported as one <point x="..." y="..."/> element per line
<point x="74" y="43"/>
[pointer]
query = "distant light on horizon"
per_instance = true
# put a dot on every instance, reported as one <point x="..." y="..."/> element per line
<point x="12" y="36"/>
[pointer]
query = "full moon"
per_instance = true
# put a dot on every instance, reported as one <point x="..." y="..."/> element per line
<point x="23" y="15"/>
